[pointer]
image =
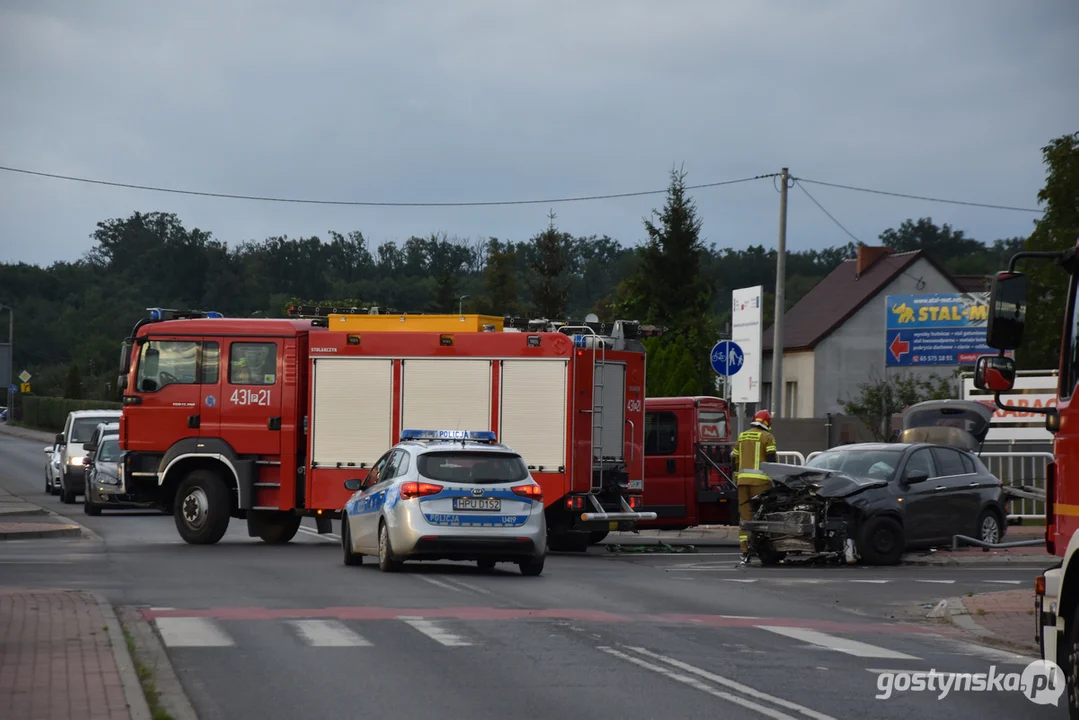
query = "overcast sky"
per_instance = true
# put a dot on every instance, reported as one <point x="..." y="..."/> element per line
<point x="473" y="100"/>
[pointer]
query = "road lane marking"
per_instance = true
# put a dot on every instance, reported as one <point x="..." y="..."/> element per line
<point x="732" y="685"/>
<point x="469" y="586"/>
<point x="328" y="537"/>
<point x="191" y="632"/>
<point x="970" y="649"/>
<point x="697" y="684"/>
<point x="875" y="582"/>
<point x="328" y="633"/>
<point x="839" y="644"/>
<point x="939" y="582"/>
<point x="431" y="629"/>
<point x="1004" y="582"/>
<point x="440" y="584"/>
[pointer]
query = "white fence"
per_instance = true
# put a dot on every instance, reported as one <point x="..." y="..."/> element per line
<point x="1013" y="468"/>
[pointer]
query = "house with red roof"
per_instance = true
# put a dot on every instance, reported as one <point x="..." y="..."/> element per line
<point x="834" y="337"/>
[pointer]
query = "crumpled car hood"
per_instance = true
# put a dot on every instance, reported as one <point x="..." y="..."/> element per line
<point x="827" y="483"/>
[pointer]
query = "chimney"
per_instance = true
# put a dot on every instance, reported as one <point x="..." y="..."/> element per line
<point x="867" y="256"/>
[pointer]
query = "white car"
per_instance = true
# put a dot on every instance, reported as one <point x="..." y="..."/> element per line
<point x="446" y="495"/>
<point x="52" y="469"/>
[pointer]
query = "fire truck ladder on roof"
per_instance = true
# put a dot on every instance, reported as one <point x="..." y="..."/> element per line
<point x="580" y="339"/>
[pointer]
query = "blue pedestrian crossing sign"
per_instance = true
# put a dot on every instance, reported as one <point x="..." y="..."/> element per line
<point x="727" y="358"/>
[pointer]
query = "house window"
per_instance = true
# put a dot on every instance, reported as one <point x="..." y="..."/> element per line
<point x="790" y="400"/>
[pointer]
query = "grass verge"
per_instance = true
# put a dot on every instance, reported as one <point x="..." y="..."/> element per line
<point x="146" y="679"/>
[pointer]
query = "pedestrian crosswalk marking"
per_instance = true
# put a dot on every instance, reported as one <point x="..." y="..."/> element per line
<point x="839" y="644"/>
<point x="327" y="633"/>
<point x="191" y="632"/>
<point x="436" y="633"/>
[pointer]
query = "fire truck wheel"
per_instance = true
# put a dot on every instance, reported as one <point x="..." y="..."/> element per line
<point x="351" y="558"/>
<point x="279" y="528"/>
<point x="567" y="541"/>
<point x="386" y="563"/>
<point x="1068" y="657"/>
<point x="202" y="508"/>
<point x="597" y="536"/>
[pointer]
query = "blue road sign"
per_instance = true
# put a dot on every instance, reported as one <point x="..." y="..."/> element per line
<point x="936" y="329"/>
<point x="12" y="389"/>
<point x="727" y="358"/>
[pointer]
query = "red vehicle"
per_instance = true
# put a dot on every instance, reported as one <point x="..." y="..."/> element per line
<point x="265" y="419"/>
<point x="687" y="463"/>
<point x="1056" y="602"/>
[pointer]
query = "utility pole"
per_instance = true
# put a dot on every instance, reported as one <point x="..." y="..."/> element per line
<point x="781" y="281"/>
<point x="11" y="361"/>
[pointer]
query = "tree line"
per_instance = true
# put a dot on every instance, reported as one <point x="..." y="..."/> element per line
<point x="73" y="315"/>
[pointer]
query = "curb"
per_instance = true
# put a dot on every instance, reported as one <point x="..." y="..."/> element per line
<point x="20" y="512"/>
<point x="150" y="651"/>
<point x="1013" y="560"/>
<point x="59" y="531"/>
<point x="129" y="679"/>
<point x="27" y="433"/>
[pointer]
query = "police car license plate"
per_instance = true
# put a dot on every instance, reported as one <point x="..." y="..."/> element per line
<point x="471" y="503"/>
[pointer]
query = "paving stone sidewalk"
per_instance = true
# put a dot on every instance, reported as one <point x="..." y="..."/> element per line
<point x="1005" y="617"/>
<point x="63" y="657"/>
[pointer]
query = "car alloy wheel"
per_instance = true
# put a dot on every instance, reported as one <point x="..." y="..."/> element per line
<point x="990" y="529"/>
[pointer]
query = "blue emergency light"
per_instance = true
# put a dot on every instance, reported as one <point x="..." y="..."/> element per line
<point x="481" y="435"/>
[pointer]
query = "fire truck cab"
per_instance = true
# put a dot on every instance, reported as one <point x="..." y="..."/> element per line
<point x="266" y="419"/>
<point x="1056" y="600"/>
<point x="687" y="463"/>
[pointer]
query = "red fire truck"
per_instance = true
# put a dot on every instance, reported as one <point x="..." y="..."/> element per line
<point x="1056" y="603"/>
<point x="687" y="463"/>
<point x="265" y="419"/>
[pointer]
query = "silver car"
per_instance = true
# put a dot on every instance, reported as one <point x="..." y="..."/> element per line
<point x="52" y="469"/>
<point x="446" y="495"/>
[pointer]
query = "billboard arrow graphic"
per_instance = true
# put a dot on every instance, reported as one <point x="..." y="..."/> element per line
<point x="899" y="348"/>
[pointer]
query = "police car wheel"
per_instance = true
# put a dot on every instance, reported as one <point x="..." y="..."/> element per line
<point x="386" y="562"/>
<point x="350" y="557"/>
<point x="531" y="568"/>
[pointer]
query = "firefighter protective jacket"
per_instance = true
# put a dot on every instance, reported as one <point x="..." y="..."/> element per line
<point x="754" y="446"/>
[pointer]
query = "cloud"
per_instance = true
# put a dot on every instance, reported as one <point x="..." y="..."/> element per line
<point x="463" y="101"/>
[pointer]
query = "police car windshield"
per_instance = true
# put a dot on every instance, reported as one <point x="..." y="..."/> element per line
<point x="477" y="468"/>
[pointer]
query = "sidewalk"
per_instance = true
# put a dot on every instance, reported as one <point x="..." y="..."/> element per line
<point x="46" y="438"/>
<point x="22" y="520"/>
<point x="65" y="658"/>
<point x="1005" y="617"/>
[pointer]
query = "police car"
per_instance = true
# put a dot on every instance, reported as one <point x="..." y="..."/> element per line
<point x="446" y="495"/>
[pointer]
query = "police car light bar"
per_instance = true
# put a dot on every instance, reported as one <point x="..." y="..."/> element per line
<point x="480" y="435"/>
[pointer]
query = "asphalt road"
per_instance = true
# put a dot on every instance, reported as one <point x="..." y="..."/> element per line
<point x="257" y="631"/>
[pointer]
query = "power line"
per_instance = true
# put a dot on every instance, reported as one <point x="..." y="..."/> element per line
<point x="372" y="203"/>
<point x="921" y="197"/>
<point x="825" y="211"/>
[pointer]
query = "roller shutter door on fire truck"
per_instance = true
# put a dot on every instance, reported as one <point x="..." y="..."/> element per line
<point x="447" y="394"/>
<point x="609" y="437"/>
<point x="534" y="411"/>
<point x="353" y="410"/>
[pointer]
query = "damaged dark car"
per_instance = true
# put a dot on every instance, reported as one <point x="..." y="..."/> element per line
<point x="871" y="502"/>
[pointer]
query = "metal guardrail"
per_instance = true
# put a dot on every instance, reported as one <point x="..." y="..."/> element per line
<point x="791" y="457"/>
<point x="986" y="546"/>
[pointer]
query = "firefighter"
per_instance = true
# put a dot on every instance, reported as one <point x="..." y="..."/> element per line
<point x="755" y="445"/>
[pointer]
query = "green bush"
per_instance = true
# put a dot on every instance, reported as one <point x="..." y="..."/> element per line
<point x="50" y="413"/>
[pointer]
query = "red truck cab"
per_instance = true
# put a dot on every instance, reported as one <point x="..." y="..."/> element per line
<point x="687" y="463"/>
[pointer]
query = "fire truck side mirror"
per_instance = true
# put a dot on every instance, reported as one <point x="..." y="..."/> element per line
<point x="353" y="484"/>
<point x="994" y="373"/>
<point x="1007" y="311"/>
